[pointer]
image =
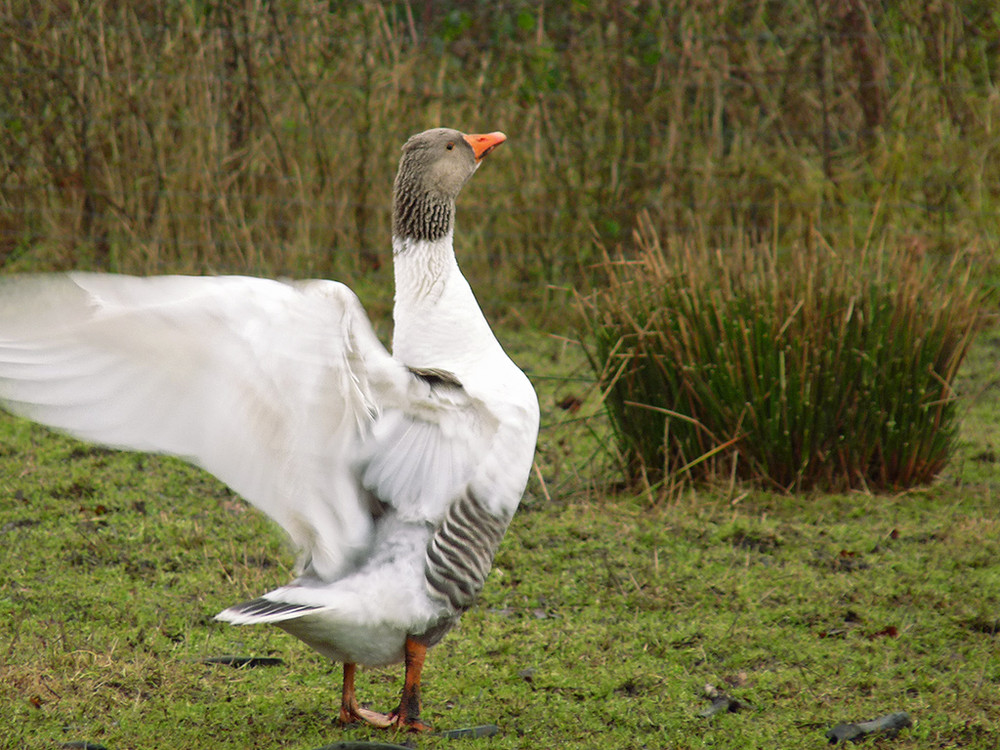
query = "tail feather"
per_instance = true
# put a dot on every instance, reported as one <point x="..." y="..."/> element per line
<point x="263" y="610"/>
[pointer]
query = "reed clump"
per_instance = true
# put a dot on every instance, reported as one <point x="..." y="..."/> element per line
<point x="801" y="369"/>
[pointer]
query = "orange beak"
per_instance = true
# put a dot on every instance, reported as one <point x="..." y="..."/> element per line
<point x="483" y="144"/>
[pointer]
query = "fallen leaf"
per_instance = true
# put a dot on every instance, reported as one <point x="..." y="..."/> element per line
<point x="722" y="703"/>
<point x="888" y="725"/>
<point x="570" y="403"/>
<point x="247" y="662"/>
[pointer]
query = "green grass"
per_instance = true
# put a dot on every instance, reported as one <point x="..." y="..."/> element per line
<point x="604" y="617"/>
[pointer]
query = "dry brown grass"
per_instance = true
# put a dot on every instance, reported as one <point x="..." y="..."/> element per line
<point x="254" y="136"/>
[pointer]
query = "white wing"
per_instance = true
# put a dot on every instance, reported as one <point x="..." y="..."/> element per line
<point x="272" y="387"/>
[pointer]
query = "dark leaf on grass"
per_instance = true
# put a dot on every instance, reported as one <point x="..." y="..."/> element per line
<point x="363" y="746"/>
<point x="81" y="745"/>
<point x="850" y="564"/>
<point x="248" y="662"/>
<point x="483" y="730"/>
<point x="848" y="561"/>
<point x="21" y="523"/>
<point x="887" y="726"/>
<point x="74" y="491"/>
<point x="983" y="624"/>
<point x="570" y="403"/>
<point x="630" y="688"/>
<point x="722" y="703"/>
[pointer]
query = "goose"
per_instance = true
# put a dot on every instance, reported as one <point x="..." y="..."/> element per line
<point x="395" y="475"/>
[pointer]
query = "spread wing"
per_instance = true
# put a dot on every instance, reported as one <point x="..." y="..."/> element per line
<point x="281" y="390"/>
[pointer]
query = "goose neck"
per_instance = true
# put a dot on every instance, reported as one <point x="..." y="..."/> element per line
<point x="421" y="269"/>
<point x="438" y="322"/>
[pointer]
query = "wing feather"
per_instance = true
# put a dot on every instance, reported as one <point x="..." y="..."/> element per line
<point x="262" y="383"/>
<point x="281" y="390"/>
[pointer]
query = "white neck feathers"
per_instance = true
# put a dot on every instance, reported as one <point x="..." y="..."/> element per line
<point x="438" y="322"/>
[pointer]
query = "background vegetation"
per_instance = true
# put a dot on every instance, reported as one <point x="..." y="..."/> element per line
<point x="262" y="137"/>
<point x="253" y="136"/>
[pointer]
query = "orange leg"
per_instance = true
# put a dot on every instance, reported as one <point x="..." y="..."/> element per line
<point x="407" y="716"/>
<point x="350" y="711"/>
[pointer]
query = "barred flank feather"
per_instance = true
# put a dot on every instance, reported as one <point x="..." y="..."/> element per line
<point x="460" y="554"/>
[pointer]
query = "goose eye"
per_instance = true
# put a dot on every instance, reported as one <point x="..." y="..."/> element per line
<point x="450" y="145"/>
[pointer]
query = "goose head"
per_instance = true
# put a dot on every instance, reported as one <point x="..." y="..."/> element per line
<point x="432" y="170"/>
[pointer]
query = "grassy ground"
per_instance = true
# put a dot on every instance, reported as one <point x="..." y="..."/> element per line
<point x="601" y="624"/>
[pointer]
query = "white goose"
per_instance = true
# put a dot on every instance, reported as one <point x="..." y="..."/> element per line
<point x="395" y="475"/>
